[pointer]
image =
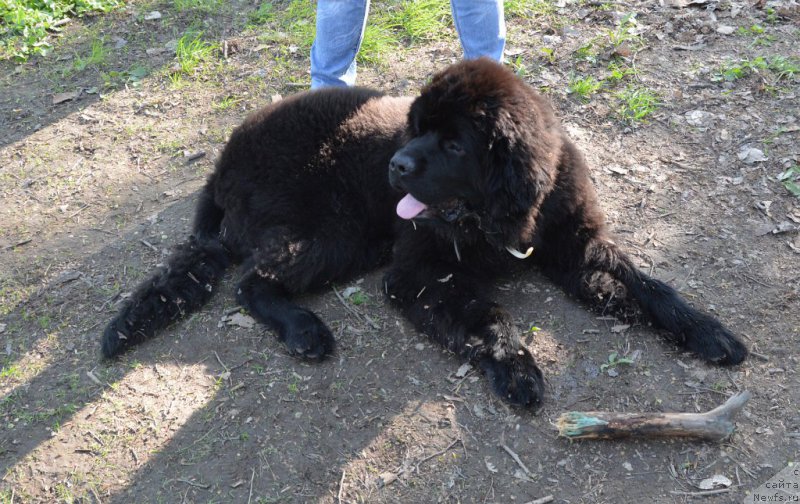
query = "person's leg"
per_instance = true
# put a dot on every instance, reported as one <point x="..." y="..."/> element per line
<point x="481" y="27"/>
<point x="340" y="28"/>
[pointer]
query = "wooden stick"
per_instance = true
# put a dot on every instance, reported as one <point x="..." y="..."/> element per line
<point x="714" y="425"/>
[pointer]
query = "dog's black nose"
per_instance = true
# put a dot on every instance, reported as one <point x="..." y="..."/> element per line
<point x="402" y="164"/>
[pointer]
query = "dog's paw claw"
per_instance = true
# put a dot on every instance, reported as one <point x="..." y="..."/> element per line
<point x="516" y="379"/>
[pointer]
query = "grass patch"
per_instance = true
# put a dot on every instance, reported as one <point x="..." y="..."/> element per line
<point x="225" y="103"/>
<point x="261" y="16"/>
<point x="96" y="57"/>
<point x="379" y="40"/>
<point x="205" y="6"/>
<point x="26" y="25"/>
<point x="584" y="87"/>
<point x="636" y="103"/>
<point x="422" y="20"/>
<point x="192" y="50"/>
<point x="781" y="68"/>
<point x="131" y="77"/>
<point x="298" y="21"/>
<point x="791" y="180"/>
<point x="528" y="9"/>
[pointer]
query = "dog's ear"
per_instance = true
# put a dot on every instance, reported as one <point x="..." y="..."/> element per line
<point x="520" y="171"/>
<point x="510" y="191"/>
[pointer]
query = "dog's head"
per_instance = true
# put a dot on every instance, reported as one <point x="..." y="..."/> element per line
<point x="482" y="143"/>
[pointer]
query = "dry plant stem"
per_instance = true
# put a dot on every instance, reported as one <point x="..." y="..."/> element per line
<point x="714" y="425"/>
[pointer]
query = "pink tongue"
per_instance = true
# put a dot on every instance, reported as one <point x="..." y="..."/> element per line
<point x="409" y="207"/>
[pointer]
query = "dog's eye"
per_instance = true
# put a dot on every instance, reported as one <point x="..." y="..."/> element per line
<point x="454" y="147"/>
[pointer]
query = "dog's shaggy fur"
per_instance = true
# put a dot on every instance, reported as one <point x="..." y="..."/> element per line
<point x="301" y="197"/>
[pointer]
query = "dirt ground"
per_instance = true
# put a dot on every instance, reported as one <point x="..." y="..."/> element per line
<point x="98" y="183"/>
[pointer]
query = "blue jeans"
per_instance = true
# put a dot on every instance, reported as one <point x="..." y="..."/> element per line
<point x="340" y="29"/>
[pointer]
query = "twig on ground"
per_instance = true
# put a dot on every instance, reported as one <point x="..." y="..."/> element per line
<point x="252" y="476"/>
<point x="341" y="488"/>
<point x="192" y="483"/>
<point x="701" y="493"/>
<point x="456" y="441"/>
<point x="518" y="461"/>
<point x="148" y="245"/>
<point x="541" y="500"/>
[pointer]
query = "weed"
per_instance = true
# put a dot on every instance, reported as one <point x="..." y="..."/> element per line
<point x="225" y="103"/>
<point x="10" y="371"/>
<point x="618" y="72"/>
<point x="359" y="298"/>
<point x="584" y="87"/>
<point x="625" y="32"/>
<point x="549" y="54"/>
<point x="614" y="360"/>
<point x="26" y="25"/>
<point x="96" y="57"/>
<point x="785" y="67"/>
<point x="752" y="30"/>
<point x="782" y="68"/>
<point x="587" y="52"/>
<point x="131" y="77"/>
<point x="263" y="15"/>
<point x="791" y="180"/>
<point x="636" y="103"/>
<point x="192" y="50"/>
<point x="519" y="66"/>
<point x="772" y="15"/>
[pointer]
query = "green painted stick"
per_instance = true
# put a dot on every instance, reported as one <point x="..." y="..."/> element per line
<point x="714" y="425"/>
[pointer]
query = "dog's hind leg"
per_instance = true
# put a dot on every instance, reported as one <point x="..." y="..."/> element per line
<point x="607" y="278"/>
<point x="183" y="286"/>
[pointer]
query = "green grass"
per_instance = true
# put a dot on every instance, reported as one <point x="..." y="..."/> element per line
<point x="379" y="41"/>
<point x="26" y="25"/>
<point x="618" y="72"/>
<point x="206" y="6"/>
<point x="298" y="20"/>
<point x="528" y="9"/>
<point x="422" y="20"/>
<point x="584" y="87"/>
<point x="781" y="68"/>
<point x="791" y="180"/>
<point x="263" y="15"/>
<point x="96" y="57"/>
<point x="636" y="103"/>
<point x="130" y="77"/>
<point x="192" y="50"/>
<point x="225" y="103"/>
<point x="624" y="32"/>
<point x="10" y="371"/>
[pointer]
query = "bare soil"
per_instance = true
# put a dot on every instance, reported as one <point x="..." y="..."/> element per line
<point x="96" y="189"/>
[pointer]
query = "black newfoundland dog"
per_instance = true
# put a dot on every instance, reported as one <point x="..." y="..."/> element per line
<point x="484" y="181"/>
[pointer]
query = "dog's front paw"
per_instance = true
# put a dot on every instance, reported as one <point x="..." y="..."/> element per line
<point x="712" y="342"/>
<point x="515" y="378"/>
<point x="305" y="335"/>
